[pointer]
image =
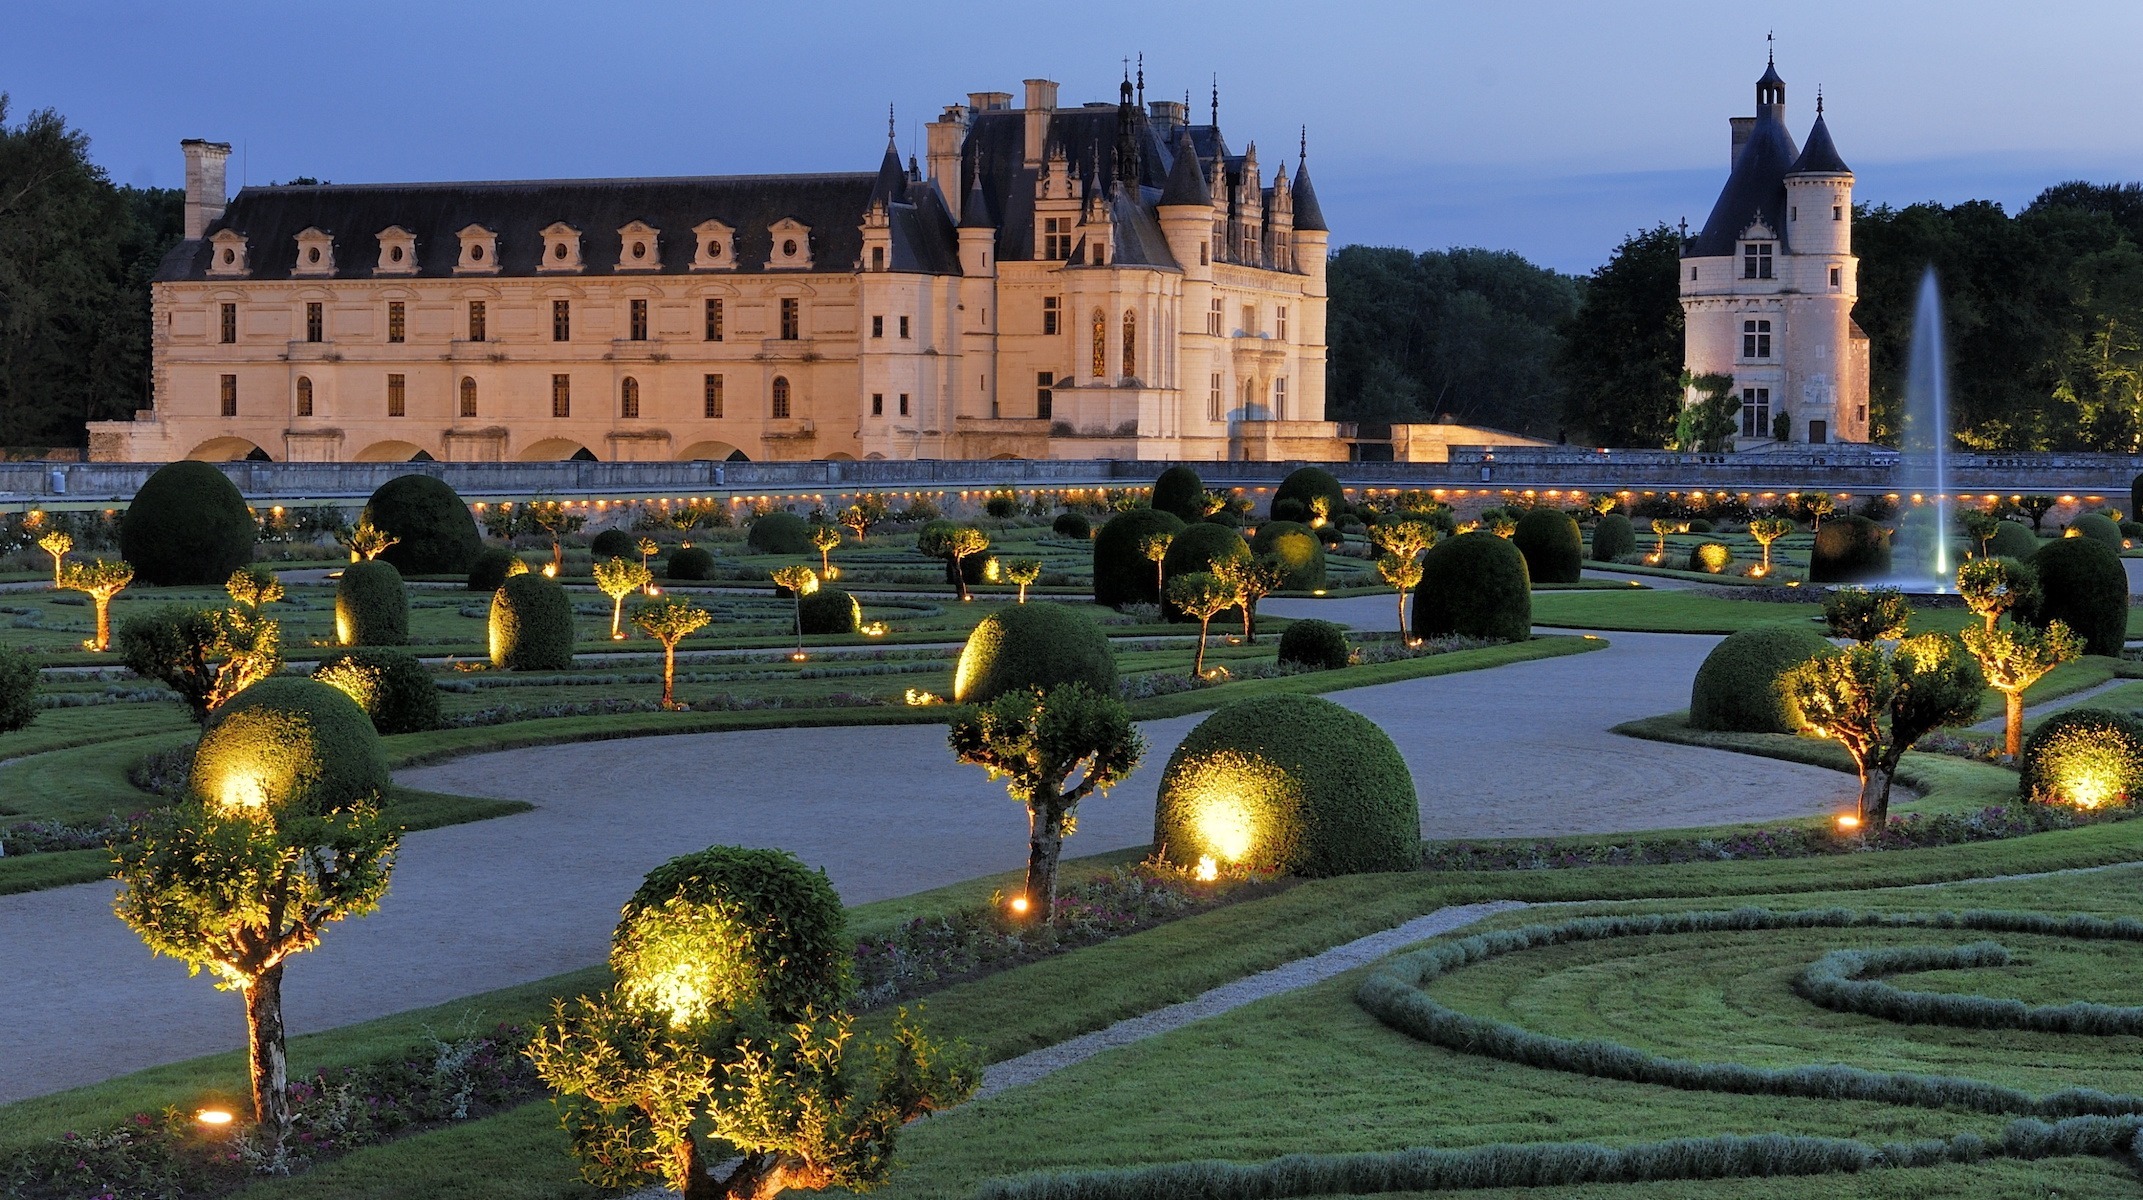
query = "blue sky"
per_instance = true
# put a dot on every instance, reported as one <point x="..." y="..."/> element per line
<point x="1549" y="128"/>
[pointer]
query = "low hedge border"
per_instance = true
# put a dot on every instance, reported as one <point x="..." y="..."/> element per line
<point x="1841" y="981"/>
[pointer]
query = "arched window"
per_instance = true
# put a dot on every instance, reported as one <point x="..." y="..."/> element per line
<point x="468" y="396"/>
<point x="781" y="397"/>
<point x="305" y="396"/>
<point x="1101" y="346"/>
<point x="1130" y="342"/>
<point x="629" y="398"/>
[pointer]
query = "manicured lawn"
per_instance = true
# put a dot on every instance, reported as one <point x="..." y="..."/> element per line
<point x="1661" y="611"/>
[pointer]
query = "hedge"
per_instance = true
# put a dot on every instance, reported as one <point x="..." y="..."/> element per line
<point x="1298" y="551"/>
<point x="187" y="525"/>
<point x="490" y="568"/>
<point x="1181" y="492"/>
<point x="829" y="610"/>
<point x="438" y="534"/>
<point x="1474" y="585"/>
<point x="371" y="605"/>
<point x="689" y="563"/>
<point x="1197" y="548"/>
<point x="391" y="686"/>
<point x="1312" y="643"/>
<point x="1737" y="688"/>
<point x="1072" y="525"/>
<point x="1304" y="484"/>
<point x="1552" y="544"/>
<point x="2083" y="584"/>
<point x="292" y="744"/>
<point x="1040" y="645"/>
<point x="1612" y="537"/>
<point x="2085" y="756"/>
<point x="1849" y="549"/>
<point x="18" y="689"/>
<point x="1122" y="572"/>
<point x="779" y="533"/>
<point x="531" y="625"/>
<point x="1839" y="981"/>
<point x="2099" y="528"/>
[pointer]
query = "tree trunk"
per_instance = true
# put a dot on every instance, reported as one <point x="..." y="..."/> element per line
<point x="1402" y="614"/>
<point x="2014" y="703"/>
<point x="1875" y="799"/>
<point x="798" y="597"/>
<point x="1160" y="593"/>
<point x="1045" y="838"/>
<point x="104" y="623"/>
<point x="1198" y="664"/>
<point x="617" y="613"/>
<point x="669" y="675"/>
<point x="270" y="1067"/>
<point x="959" y="574"/>
<point x="558" y="559"/>
<point x="1249" y="608"/>
<point x="767" y="1176"/>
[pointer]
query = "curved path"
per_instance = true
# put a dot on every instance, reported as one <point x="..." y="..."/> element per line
<point x="1520" y="750"/>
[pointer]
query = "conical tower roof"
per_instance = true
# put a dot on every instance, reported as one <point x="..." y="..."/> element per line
<point x="1820" y="155"/>
<point x="892" y="185"/>
<point x="975" y="210"/>
<point x="1186" y="183"/>
<point x="1307" y="213"/>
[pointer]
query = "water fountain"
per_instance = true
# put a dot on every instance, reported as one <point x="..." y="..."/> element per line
<point x="1923" y="555"/>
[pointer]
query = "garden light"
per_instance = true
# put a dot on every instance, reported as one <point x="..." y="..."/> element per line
<point x="550" y="570"/>
<point x="1208" y="870"/>
<point x="1019" y="905"/>
<point x="214" y="1118"/>
<point x="1223" y="823"/>
<point x="1847" y="823"/>
<point x="874" y="629"/>
<point x="799" y="656"/>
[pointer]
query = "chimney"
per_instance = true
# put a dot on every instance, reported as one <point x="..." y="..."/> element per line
<point x="945" y="137"/>
<point x="1167" y="117"/>
<point x="1041" y="101"/>
<point x="983" y="102"/>
<point x="1742" y="126"/>
<point x="205" y="197"/>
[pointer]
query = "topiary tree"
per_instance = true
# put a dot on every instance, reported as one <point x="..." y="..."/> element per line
<point x="670" y="620"/>
<point x="1850" y="549"/>
<point x="58" y="544"/>
<point x="1023" y="572"/>
<point x="1403" y="542"/>
<point x="799" y="581"/>
<point x="1997" y="587"/>
<point x="2083" y="585"/>
<point x="364" y="540"/>
<point x="1122" y="572"/>
<point x="433" y="530"/>
<point x="2013" y="657"/>
<point x="689" y="563"/>
<point x="1661" y="527"/>
<point x="1289" y="783"/>
<point x="779" y="533"/>
<point x="1498" y="521"/>
<point x="187" y="525"/>
<point x="1767" y="530"/>
<point x="491" y="567"/>
<point x="955" y="544"/>
<point x="1553" y="546"/>
<point x="1867" y="616"/>
<point x="391" y="686"/>
<point x="826" y="539"/>
<point x="610" y="543"/>
<point x="1296" y="549"/>
<point x="101" y="580"/>
<point x="18" y="690"/>
<point x="281" y="836"/>
<point x="1321" y="645"/>
<point x="1711" y="558"/>
<point x="1251" y="579"/>
<point x="1035" y="740"/>
<point x="1155" y="547"/>
<point x="724" y="1038"/>
<point x="1739" y="689"/>
<point x="2099" y="528"/>
<point x="829" y="611"/>
<point x="2012" y="540"/>
<point x="1201" y="595"/>
<point x="647" y="548"/>
<point x="1474" y="585"/>
<point x="1180" y="492"/>
<point x="1199" y="548"/>
<point x="2086" y="757"/>
<point x="1072" y="525"/>
<point x="617" y="579"/>
<point x="869" y="510"/>
<point x="371" y="605"/>
<point x="1613" y="537"/>
<point x="1877" y="701"/>
<point x="1033" y="646"/>
<point x="1980" y="526"/>
<point x="556" y="521"/>
<point x="531" y="627"/>
<point x="1305" y="486"/>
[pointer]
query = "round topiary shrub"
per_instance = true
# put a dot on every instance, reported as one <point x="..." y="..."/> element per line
<point x="1474" y="585"/>
<point x="780" y="533"/>
<point x="391" y="686"/>
<point x="1304" y="485"/>
<point x="437" y="533"/>
<point x="1004" y="508"/>
<point x="187" y="524"/>
<point x="2099" y="528"/>
<point x="1290" y="510"/>
<point x="2013" y="539"/>
<point x="1711" y="558"/>
<point x="1553" y="546"/>
<point x="1072" y="525"/>
<point x="1197" y="548"/>
<point x="1849" y="549"/>
<point x="614" y="543"/>
<point x="1040" y="645"/>
<point x="1224" y="517"/>
<point x="1180" y="491"/>
<point x="689" y="563"/>
<point x="830" y="610"/>
<point x="2088" y="757"/>
<point x="1701" y="525"/>
<point x="18" y="689"/>
<point x="1314" y="643"/>
<point x="371" y="605"/>
<point x="1329" y="534"/>
<point x="2083" y="585"/>
<point x="1122" y="572"/>
<point x="290" y="744"/>
<point x="531" y="625"/>
<point x="1612" y="537"/>
<point x="2131" y="530"/>
<point x="493" y="564"/>
<point x="1296" y="549"/>
<point x="1737" y="687"/>
<point x="1289" y="783"/>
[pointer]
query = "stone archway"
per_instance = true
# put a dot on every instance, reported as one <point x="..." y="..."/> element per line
<point x="228" y="449"/>
<point x="389" y="452"/>
<point x="555" y="450"/>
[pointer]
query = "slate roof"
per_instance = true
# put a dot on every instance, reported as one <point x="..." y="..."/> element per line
<point x="1755" y="188"/>
<point x="1186" y="180"/>
<point x="1820" y="155"/>
<point x="1308" y="213"/>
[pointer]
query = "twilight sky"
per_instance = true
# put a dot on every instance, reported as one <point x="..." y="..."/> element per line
<point x="1550" y="127"/>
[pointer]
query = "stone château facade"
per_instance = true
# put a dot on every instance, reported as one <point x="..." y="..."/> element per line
<point x="1106" y="281"/>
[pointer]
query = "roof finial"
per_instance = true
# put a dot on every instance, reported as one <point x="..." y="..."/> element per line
<point x="1303" y="153"/>
<point x="1216" y="99"/>
<point x="1819" y="99"/>
<point x="1769" y="49"/>
<point x="1142" y="80"/>
<point x="1685" y="228"/>
<point x="889" y="122"/>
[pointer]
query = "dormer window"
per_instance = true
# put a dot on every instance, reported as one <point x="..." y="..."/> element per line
<point x="561" y="248"/>
<point x="397" y="252"/>
<point x="714" y="247"/>
<point x="792" y="246"/>
<point x="1756" y="260"/>
<point x="1056" y="238"/>
<point x="316" y="253"/>
<point x="227" y="254"/>
<point x="639" y="248"/>
<point x="479" y="251"/>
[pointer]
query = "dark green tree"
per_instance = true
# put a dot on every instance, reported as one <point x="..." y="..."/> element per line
<point x="1622" y="350"/>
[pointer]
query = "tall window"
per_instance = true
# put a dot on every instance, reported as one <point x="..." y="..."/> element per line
<point x="904" y="328"/>
<point x="1215" y="406"/>
<point x="229" y="395"/>
<point x="636" y="320"/>
<point x="1250" y="319"/>
<point x="1045" y="395"/>
<point x="1056" y="238"/>
<point x="1755" y="412"/>
<point x="710" y="400"/>
<point x="1279" y="323"/>
<point x="315" y="321"/>
<point x="1049" y="314"/>
<point x="477" y="330"/>
<point x="877" y="404"/>
<point x="714" y="320"/>
<point x="781" y="396"/>
<point x="791" y="318"/>
<point x="1215" y="317"/>
<point x="561" y="395"/>
<point x="904" y="404"/>
<point x="305" y="396"/>
<point x="397" y="396"/>
<point x="1130" y="342"/>
<point x="1837" y="212"/>
<point x="397" y="321"/>
<point x="468" y="396"/>
<point x="1279" y="399"/>
<point x="561" y="320"/>
<point x="629" y="398"/>
<point x="1837" y="276"/>
<point x="228" y="328"/>
<point x="1101" y="346"/>
<point x="877" y="327"/>
<point x="1756" y="260"/>
<point x="878" y="258"/>
<point x="1756" y="339"/>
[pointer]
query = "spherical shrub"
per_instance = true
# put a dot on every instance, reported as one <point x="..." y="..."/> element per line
<point x="1701" y="525"/>
<point x="1305" y="484"/>
<point x="1737" y="687"/>
<point x="438" y="534"/>
<point x="1004" y="508"/>
<point x="711" y="935"/>
<point x="187" y="524"/>
<point x="2082" y="584"/>
<point x="1180" y="491"/>
<point x="1040" y="645"/>
<point x="2131" y="530"/>
<point x="2088" y="757"/>
<point x="2013" y="539"/>
<point x="18" y="689"/>
<point x="1197" y="548"/>
<point x="1223" y="517"/>
<point x="371" y="606"/>
<point x="689" y="563"/>
<point x="1122" y="572"/>
<point x="830" y="610"/>
<point x="531" y="625"/>
<point x="1474" y="585"/>
<point x="614" y="543"/>
<point x="1553" y="547"/>
<point x="1849" y="549"/>
<point x="490" y="568"/>
<point x="1289" y="783"/>
<point x="1314" y="643"/>
<point x="1612" y="537"/>
<point x="1296" y="549"/>
<point x="391" y="686"/>
<point x="1072" y="525"/>
<point x="2099" y="528"/>
<point x="780" y="533"/>
<point x="1711" y="558"/>
<point x="289" y="744"/>
<point x="1290" y="510"/>
<point x="971" y="566"/>
<point x="1329" y="534"/>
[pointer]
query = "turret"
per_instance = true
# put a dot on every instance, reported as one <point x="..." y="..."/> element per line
<point x="978" y="234"/>
<point x="1819" y="196"/>
<point x="1185" y="210"/>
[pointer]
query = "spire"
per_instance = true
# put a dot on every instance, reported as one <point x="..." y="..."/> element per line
<point x="1771" y="89"/>
<point x="1186" y="182"/>
<point x="1216" y="99"/>
<point x="1820" y="155"/>
<point x="888" y="122"/>
<point x="975" y="212"/>
<point x="1302" y="149"/>
<point x="1142" y="80"/>
<point x="1308" y="214"/>
<point x="892" y="184"/>
<point x="1127" y="132"/>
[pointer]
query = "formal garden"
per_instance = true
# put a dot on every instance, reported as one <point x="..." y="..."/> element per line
<point x="1928" y="990"/>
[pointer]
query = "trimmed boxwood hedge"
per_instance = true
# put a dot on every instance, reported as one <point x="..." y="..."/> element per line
<point x="18" y="689"/>
<point x="755" y="930"/>
<point x="1303" y="484"/>
<point x="830" y="610"/>
<point x="2099" y="528"/>
<point x="295" y="744"/>
<point x="1553" y="547"/>
<point x="1122" y="572"/>
<point x="1298" y="551"/>
<point x="1197" y="548"/>
<point x="2079" y="755"/>
<point x="371" y="605"/>
<point x="689" y="563"/>
<point x="401" y="697"/>
<point x="2083" y="584"/>
<point x="531" y="625"/>
<point x="1042" y="645"/>
<point x="2013" y="539"/>
<point x="1474" y="585"/>
<point x="1072" y="525"/>
<point x="1612" y="537"/>
<point x="1737" y="687"/>
<point x="1849" y="549"/>
<point x="187" y="525"/>
<point x="1180" y="491"/>
<point x="436" y="530"/>
<point x="1291" y="783"/>
<point x="1315" y="643"/>
<point x="490" y="568"/>
<point x="614" y="543"/>
<point x="779" y="533"/>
